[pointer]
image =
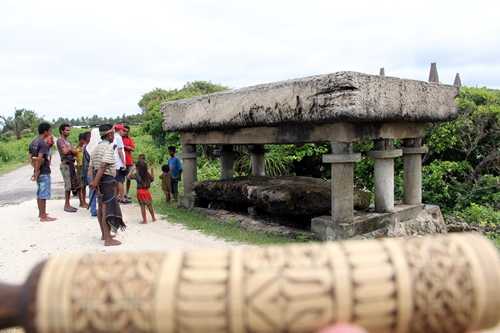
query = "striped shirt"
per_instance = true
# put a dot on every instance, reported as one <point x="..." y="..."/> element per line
<point x="104" y="154"/>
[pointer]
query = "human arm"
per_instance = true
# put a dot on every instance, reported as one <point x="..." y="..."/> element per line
<point x="38" y="164"/>
<point x="129" y="145"/>
<point x="98" y="176"/>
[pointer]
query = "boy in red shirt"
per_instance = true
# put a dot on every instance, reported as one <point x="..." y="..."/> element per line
<point x="129" y="146"/>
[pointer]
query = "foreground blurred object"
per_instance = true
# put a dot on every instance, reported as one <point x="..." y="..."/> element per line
<point x="429" y="284"/>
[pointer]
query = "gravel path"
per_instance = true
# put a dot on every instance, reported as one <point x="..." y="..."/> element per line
<point x="24" y="241"/>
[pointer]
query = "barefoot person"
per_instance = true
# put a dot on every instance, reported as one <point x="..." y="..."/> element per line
<point x="175" y="166"/>
<point x="40" y="150"/>
<point x="102" y="164"/>
<point x="166" y="182"/>
<point x="79" y="157"/>
<point x="121" y="170"/>
<point x="144" y="178"/>
<point x="67" y="167"/>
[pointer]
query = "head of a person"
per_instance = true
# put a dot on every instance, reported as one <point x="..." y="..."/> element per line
<point x="165" y="168"/>
<point x="44" y="130"/>
<point x="106" y="132"/>
<point x="127" y="130"/>
<point x="172" y="150"/>
<point x="142" y="169"/>
<point x="120" y="129"/>
<point x="65" y="129"/>
<point x="141" y="157"/>
<point x="82" y="139"/>
<point x="87" y="135"/>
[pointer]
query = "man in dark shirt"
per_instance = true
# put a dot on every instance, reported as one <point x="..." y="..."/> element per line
<point x="40" y="153"/>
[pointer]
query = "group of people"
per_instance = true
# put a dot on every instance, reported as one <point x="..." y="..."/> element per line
<point x="103" y="161"/>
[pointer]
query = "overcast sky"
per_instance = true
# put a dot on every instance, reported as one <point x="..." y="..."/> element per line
<point x="79" y="58"/>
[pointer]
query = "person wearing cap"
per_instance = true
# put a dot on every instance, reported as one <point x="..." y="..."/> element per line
<point x="102" y="166"/>
<point x="121" y="169"/>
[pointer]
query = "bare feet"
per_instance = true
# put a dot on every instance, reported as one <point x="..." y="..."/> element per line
<point x="84" y="206"/>
<point x="70" y="209"/>
<point x="154" y="219"/>
<point x="112" y="236"/>
<point x="112" y="242"/>
<point x="47" y="219"/>
<point x="143" y="222"/>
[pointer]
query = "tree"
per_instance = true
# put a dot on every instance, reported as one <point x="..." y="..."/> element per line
<point x="23" y="120"/>
<point x="150" y="104"/>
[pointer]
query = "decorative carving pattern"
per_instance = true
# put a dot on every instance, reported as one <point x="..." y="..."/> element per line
<point x="442" y="281"/>
<point x="421" y="285"/>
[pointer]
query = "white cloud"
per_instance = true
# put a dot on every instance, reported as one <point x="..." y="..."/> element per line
<point x="98" y="57"/>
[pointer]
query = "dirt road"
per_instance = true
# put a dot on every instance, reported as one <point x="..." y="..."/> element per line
<point x="24" y="240"/>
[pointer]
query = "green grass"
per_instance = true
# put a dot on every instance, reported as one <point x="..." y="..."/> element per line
<point x="6" y="167"/>
<point x="196" y="221"/>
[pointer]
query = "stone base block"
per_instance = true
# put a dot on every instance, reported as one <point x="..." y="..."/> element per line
<point x="406" y="220"/>
<point x="186" y="201"/>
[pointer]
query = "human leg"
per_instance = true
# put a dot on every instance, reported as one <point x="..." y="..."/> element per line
<point x="43" y="194"/>
<point x="67" y="188"/>
<point x="151" y="211"/>
<point x="143" y="214"/>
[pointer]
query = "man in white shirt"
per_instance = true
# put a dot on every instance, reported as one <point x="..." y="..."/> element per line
<point x="121" y="170"/>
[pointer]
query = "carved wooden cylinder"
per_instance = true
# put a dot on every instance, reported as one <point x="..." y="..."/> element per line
<point x="432" y="284"/>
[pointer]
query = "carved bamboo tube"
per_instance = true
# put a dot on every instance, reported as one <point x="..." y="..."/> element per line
<point x="430" y="284"/>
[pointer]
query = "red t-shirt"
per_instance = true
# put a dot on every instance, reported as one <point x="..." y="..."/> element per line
<point x="129" y="144"/>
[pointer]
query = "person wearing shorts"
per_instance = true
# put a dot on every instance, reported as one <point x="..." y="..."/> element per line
<point x="121" y="170"/>
<point x="40" y="150"/>
<point x="68" y="171"/>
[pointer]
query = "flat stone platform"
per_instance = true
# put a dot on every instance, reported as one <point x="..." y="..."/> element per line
<point x="319" y="100"/>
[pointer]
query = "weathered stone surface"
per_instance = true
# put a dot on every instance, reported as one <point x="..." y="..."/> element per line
<point x="279" y="196"/>
<point x="341" y="96"/>
<point x="406" y="220"/>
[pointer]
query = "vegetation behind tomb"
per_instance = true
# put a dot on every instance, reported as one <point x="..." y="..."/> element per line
<point x="461" y="172"/>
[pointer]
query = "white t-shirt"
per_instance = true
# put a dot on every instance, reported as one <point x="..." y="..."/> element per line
<point x="118" y="144"/>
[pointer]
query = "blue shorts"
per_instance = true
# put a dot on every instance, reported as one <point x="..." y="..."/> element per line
<point x="43" y="183"/>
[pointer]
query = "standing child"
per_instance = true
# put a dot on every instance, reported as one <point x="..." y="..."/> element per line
<point x="79" y="156"/>
<point x="166" y="181"/>
<point x="144" y="178"/>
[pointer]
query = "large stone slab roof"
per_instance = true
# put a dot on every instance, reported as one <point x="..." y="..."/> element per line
<point x="329" y="98"/>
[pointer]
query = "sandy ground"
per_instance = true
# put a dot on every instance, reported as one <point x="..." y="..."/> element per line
<point x="24" y="240"/>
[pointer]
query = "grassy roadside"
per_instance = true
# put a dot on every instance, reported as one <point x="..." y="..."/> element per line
<point x="195" y="221"/>
<point x="6" y="167"/>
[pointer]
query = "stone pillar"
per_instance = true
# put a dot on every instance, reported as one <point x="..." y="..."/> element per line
<point x="227" y="162"/>
<point x="412" y="157"/>
<point x="257" y="160"/>
<point x="189" y="174"/>
<point x="384" y="155"/>
<point x="340" y="225"/>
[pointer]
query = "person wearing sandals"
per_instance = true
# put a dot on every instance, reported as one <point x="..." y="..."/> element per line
<point x="102" y="164"/>
<point x="144" y="178"/>
<point x="68" y="171"/>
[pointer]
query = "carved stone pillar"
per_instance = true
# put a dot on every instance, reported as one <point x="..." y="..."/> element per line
<point x="412" y="157"/>
<point x="189" y="173"/>
<point x="384" y="154"/>
<point x="227" y="162"/>
<point x="257" y="160"/>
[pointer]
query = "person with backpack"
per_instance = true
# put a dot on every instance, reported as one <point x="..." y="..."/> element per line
<point x="39" y="150"/>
